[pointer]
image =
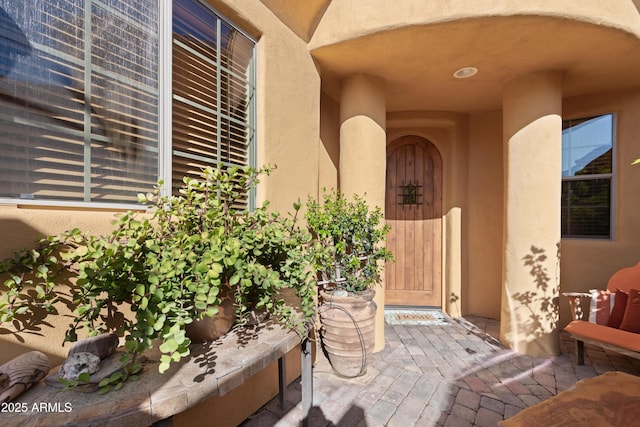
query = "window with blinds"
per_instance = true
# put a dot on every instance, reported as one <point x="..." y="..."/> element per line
<point x="79" y="99"/>
<point x="587" y="176"/>
<point x="213" y="93"/>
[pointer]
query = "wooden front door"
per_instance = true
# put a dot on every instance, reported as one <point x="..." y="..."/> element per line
<point x="413" y="209"/>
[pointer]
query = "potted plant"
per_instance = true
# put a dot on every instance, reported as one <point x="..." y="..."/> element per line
<point x="348" y="253"/>
<point x="172" y="267"/>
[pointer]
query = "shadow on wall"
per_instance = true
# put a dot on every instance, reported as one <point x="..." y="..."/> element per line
<point x="18" y="334"/>
<point x="330" y="141"/>
<point x="542" y="305"/>
<point x="19" y="237"/>
<point x="38" y="323"/>
<point x="16" y="235"/>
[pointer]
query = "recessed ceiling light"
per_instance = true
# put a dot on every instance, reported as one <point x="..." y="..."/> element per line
<point x="465" y="72"/>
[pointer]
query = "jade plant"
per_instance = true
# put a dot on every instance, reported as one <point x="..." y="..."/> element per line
<point x="348" y="249"/>
<point x="169" y="267"/>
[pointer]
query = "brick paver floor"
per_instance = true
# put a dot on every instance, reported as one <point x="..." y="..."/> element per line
<point x="453" y="375"/>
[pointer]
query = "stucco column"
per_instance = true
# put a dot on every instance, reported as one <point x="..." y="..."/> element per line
<point x="363" y="154"/>
<point x="532" y="126"/>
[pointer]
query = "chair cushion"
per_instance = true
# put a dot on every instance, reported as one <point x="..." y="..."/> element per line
<point x="604" y="334"/>
<point x="631" y="319"/>
<point x="601" y="306"/>
<point x="619" y="307"/>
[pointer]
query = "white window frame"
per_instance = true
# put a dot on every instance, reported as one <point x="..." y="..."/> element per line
<point x="612" y="176"/>
<point x="165" y="151"/>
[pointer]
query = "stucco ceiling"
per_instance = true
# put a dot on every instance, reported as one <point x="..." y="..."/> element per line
<point x="418" y="62"/>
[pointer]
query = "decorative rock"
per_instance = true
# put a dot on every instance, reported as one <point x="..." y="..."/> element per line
<point x="108" y="366"/>
<point x="79" y="363"/>
<point x="20" y="373"/>
<point x="103" y="345"/>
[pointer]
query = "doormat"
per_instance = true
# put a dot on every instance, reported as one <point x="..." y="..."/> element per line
<point x="420" y="317"/>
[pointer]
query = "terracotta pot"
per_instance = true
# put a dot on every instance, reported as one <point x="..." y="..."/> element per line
<point x="212" y="328"/>
<point x="348" y="330"/>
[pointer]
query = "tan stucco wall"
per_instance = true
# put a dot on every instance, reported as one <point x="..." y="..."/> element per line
<point x="485" y="216"/>
<point x="329" y="150"/>
<point x="288" y="116"/>
<point x="21" y="225"/>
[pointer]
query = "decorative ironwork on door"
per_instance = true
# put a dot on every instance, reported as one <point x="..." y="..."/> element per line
<point x="410" y="194"/>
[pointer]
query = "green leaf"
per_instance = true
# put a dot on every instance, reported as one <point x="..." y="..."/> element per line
<point x="105" y="382"/>
<point x="130" y="346"/>
<point x="165" y="363"/>
<point x="104" y="389"/>
<point x="169" y="346"/>
<point x="159" y="323"/>
<point x="117" y="376"/>
<point x="215" y="270"/>
<point x="211" y="311"/>
<point x="43" y="270"/>
<point x="140" y="290"/>
<point x="202" y="267"/>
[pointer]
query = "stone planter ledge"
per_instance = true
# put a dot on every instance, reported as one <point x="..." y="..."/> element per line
<point x="212" y="369"/>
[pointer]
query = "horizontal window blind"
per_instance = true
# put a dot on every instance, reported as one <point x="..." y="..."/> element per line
<point x="586" y="208"/>
<point x="213" y="93"/>
<point x="78" y="99"/>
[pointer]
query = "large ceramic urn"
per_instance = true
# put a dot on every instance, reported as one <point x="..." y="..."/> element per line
<point x="348" y="330"/>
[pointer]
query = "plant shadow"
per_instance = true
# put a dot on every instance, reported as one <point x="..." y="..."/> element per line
<point x="541" y="306"/>
<point x="205" y="355"/>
